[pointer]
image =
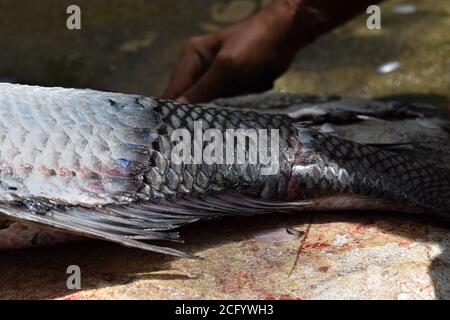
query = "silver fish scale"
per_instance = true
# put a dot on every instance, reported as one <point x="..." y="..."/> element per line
<point x="73" y="146"/>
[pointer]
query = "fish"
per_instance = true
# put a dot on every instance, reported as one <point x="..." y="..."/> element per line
<point x="80" y="163"/>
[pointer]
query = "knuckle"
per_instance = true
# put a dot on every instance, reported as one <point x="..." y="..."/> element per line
<point x="192" y="43"/>
<point x="227" y="61"/>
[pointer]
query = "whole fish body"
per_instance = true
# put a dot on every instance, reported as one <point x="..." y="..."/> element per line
<point x="98" y="164"/>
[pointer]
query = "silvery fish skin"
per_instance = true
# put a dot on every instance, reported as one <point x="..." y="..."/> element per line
<point x="98" y="164"/>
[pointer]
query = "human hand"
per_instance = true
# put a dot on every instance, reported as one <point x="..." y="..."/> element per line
<point x="242" y="58"/>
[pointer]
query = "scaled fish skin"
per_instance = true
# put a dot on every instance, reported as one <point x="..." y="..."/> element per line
<point x="98" y="164"/>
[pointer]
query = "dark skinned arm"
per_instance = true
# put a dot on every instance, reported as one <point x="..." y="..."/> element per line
<point x="248" y="56"/>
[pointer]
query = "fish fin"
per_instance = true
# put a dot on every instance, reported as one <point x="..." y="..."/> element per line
<point x="431" y="150"/>
<point x="406" y="147"/>
<point x="280" y="103"/>
<point x="56" y="220"/>
<point x="350" y="110"/>
<point x="130" y="224"/>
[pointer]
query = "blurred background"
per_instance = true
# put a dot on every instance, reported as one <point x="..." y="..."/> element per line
<point x="132" y="46"/>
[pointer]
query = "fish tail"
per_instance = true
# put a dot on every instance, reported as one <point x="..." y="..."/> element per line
<point x="328" y="165"/>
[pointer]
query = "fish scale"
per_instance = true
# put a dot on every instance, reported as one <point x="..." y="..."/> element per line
<point x="100" y="165"/>
<point x="202" y="179"/>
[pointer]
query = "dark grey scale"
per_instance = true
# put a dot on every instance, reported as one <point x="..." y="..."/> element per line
<point x="408" y="183"/>
<point x="286" y="164"/>
<point x="208" y="117"/>
<point x="159" y="161"/>
<point x="219" y="178"/>
<point x="299" y="188"/>
<point x="244" y="125"/>
<point x="270" y="189"/>
<point x="209" y="170"/>
<point x="330" y="176"/>
<point x="324" y="185"/>
<point x="306" y="185"/>
<point x="218" y="125"/>
<point x="154" y="178"/>
<point x="346" y="181"/>
<point x="371" y="170"/>
<point x="165" y="109"/>
<point x="282" y="186"/>
<point x="172" y="179"/>
<point x="388" y="164"/>
<point x="373" y="160"/>
<point x="363" y="185"/>
<point x="188" y="179"/>
<point x="359" y="185"/>
<point x="285" y="132"/>
<point x="168" y="193"/>
<point x="177" y="168"/>
<point x="409" y="168"/>
<point x="181" y="112"/>
<point x="195" y="113"/>
<point x="183" y="190"/>
<point x="400" y="172"/>
<point x="333" y="159"/>
<point x="357" y="153"/>
<point x="201" y="182"/>
<point x="176" y="121"/>
<point x="277" y="122"/>
<point x="378" y="189"/>
<point x="233" y="121"/>
<point x="247" y="122"/>
<point x="313" y="185"/>
<point x="418" y="166"/>
<point x="347" y="151"/>
<point x="249" y="173"/>
<point x="337" y="150"/>
<point x="189" y="122"/>
<point x="220" y="117"/>
<point x="194" y="169"/>
<point x="316" y="173"/>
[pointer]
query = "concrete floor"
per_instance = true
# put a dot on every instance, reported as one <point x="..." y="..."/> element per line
<point x="131" y="46"/>
<point x="343" y="256"/>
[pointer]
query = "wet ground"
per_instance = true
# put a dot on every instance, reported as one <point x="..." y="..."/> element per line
<point x="131" y="46"/>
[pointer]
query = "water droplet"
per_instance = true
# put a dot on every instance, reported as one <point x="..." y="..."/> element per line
<point x="388" y="67"/>
<point x="404" y="8"/>
<point x="327" y="128"/>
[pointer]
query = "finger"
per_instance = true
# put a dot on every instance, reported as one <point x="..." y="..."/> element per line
<point x="211" y="85"/>
<point x="197" y="55"/>
<point x="182" y="99"/>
